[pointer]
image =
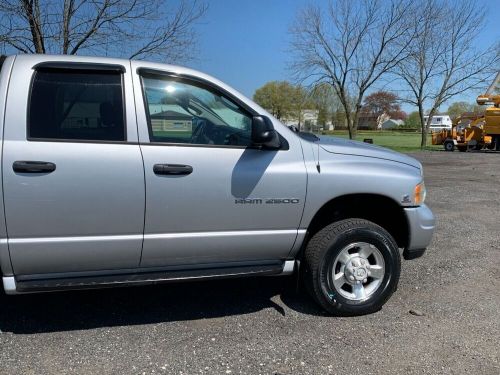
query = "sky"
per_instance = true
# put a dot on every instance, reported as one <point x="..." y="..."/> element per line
<point x="244" y="42"/>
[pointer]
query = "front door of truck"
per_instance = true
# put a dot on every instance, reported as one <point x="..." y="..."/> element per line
<point x="210" y="196"/>
<point x="72" y="170"/>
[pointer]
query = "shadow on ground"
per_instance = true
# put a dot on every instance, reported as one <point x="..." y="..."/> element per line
<point x="81" y="310"/>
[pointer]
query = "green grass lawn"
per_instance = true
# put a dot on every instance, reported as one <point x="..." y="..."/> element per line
<point x="398" y="141"/>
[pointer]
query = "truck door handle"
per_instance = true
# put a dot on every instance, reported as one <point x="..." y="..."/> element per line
<point x="23" y="166"/>
<point x="172" y="169"/>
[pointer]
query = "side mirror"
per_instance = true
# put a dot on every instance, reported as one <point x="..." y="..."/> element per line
<point x="263" y="133"/>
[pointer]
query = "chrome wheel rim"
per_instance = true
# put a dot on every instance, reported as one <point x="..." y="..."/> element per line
<point x="358" y="271"/>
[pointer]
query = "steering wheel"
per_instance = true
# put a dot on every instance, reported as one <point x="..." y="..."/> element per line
<point x="200" y="135"/>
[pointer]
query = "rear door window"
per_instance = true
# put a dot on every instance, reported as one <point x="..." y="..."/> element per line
<point x="76" y="106"/>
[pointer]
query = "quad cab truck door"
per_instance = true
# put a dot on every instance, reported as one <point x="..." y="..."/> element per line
<point x="73" y="177"/>
<point x="212" y="198"/>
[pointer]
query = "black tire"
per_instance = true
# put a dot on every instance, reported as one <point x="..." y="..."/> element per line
<point x="449" y="146"/>
<point x="320" y="255"/>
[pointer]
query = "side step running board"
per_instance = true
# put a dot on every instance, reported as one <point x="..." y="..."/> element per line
<point x="89" y="282"/>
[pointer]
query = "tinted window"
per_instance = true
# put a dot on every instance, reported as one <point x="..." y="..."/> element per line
<point x="179" y="112"/>
<point x="76" y="105"/>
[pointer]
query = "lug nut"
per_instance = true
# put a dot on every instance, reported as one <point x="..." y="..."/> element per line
<point x="351" y="278"/>
<point x="355" y="263"/>
<point x="365" y="280"/>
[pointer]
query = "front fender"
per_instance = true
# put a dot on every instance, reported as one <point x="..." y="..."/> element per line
<point x="343" y="174"/>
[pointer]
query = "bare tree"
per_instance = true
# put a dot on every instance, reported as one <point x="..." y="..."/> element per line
<point x="350" y="45"/>
<point x="444" y="61"/>
<point x="127" y="28"/>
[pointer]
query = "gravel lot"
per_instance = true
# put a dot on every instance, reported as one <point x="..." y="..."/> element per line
<point x="263" y="326"/>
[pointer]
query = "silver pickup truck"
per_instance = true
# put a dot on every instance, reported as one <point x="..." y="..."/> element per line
<point x="118" y="172"/>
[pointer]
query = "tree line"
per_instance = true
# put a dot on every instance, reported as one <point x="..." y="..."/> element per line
<point x="287" y="101"/>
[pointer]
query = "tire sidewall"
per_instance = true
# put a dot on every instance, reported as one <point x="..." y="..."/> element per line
<point x="386" y="246"/>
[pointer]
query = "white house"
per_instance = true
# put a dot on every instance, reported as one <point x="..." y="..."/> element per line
<point x="391" y="123"/>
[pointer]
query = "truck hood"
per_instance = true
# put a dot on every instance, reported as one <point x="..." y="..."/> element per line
<point x="336" y="145"/>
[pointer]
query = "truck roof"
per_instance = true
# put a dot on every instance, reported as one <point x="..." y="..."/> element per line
<point x="37" y="58"/>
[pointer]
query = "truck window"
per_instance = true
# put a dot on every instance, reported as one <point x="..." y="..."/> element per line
<point x="76" y="105"/>
<point x="180" y="112"/>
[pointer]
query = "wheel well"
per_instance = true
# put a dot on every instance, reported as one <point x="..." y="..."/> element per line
<point x="378" y="209"/>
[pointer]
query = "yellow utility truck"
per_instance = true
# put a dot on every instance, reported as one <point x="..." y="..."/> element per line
<point x="472" y="130"/>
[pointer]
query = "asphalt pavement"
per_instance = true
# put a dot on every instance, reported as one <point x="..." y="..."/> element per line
<point x="264" y="326"/>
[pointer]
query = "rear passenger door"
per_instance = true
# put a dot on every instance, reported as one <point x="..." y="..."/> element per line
<point x="72" y="169"/>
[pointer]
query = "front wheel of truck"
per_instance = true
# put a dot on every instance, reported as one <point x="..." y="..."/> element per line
<point x="352" y="267"/>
